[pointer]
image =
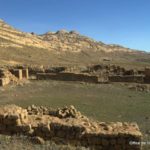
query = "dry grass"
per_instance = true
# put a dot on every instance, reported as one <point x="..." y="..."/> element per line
<point x="24" y="143"/>
<point x="112" y="102"/>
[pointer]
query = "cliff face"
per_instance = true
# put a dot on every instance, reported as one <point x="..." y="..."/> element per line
<point x="61" y="47"/>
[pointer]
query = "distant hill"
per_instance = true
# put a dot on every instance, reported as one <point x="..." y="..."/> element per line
<point x="62" y="48"/>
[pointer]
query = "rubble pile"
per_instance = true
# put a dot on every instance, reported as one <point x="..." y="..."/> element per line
<point x="68" y="112"/>
<point x="36" y="110"/>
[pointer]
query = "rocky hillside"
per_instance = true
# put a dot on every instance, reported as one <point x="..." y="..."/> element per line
<point x="61" y="40"/>
<point x="10" y="37"/>
<point x="74" y="42"/>
<point x="61" y="47"/>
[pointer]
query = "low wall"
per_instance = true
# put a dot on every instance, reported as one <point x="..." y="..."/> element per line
<point x="75" y="130"/>
<point x="68" y="77"/>
<point x="137" y="79"/>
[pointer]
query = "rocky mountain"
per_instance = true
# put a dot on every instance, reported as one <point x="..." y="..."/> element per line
<point x="62" y="47"/>
<point x="10" y="37"/>
<point x="74" y="42"/>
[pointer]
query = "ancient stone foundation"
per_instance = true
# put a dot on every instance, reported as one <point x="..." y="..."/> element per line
<point x="70" y="126"/>
<point x="127" y="78"/>
<point x="66" y="76"/>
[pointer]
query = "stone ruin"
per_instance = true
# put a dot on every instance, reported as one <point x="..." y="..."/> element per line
<point x="89" y="74"/>
<point x="6" y="77"/>
<point x="115" y="73"/>
<point x="127" y="78"/>
<point x="68" y="76"/>
<point x="99" y="73"/>
<point x="12" y="76"/>
<point x="70" y="126"/>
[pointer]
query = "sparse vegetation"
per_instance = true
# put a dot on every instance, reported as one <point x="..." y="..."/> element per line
<point x="113" y="102"/>
<point x="24" y="143"/>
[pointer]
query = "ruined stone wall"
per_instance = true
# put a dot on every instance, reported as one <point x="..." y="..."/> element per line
<point x="68" y="77"/>
<point x="72" y="129"/>
<point x="55" y="69"/>
<point x="33" y="70"/>
<point x="147" y="75"/>
<point x="127" y="78"/>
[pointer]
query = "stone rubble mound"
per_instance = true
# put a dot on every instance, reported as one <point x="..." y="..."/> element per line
<point x="36" y="110"/>
<point x="68" y="112"/>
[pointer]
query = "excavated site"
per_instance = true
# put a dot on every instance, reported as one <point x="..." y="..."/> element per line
<point x="67" y="124"/>
<point x="70" y="126"/>
<point x="134" y="79"/>
<point x="70" y="56"/>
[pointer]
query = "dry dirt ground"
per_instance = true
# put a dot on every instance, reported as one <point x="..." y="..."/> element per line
<point x="104" y="102"/>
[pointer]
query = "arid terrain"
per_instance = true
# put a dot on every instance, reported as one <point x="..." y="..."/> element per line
<point x="107" y="83"/>
<point x="62" y="48"/>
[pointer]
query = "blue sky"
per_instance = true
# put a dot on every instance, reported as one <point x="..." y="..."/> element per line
<point x="124" y="22"/>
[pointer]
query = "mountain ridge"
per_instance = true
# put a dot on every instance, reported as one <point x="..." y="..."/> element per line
<point x="61" y="47"/>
